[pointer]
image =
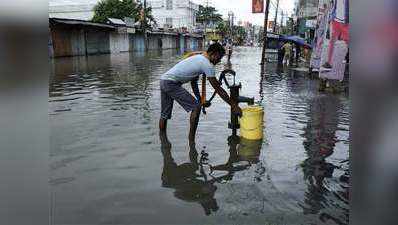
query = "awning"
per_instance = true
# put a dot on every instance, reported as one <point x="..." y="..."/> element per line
<point x="81" y="23"/>
<point x="295" y="39"/>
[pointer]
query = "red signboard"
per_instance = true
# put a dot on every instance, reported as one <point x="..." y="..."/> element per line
<point x="257" y="6"/>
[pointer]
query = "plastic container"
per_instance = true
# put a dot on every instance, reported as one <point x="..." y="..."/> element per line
<point x="250" y="150"/>
<point x="251" y="122"/>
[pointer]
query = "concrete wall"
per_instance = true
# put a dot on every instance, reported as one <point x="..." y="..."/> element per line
<point x="119" y="42"/>
<point x="61" y="42"/>
<point x="191" y="43"/>
<point x="138" y="43"/>
<point x="86" y="40"/>
<point x="97" y="42"/>
<point x="78" y="42"/>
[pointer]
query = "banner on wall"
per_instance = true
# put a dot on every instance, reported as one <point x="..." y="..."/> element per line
<point x="257" y="6"/>
<point x="331" y="39"/>
<point x="320" y="33"/>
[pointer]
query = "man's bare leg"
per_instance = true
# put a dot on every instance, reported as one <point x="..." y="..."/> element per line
<point x="194" y="120"/>
<point x="162" y="124"/>
<point x="163" y="133"/>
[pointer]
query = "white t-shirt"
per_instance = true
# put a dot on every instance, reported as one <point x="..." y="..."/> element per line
<point x="189" y="69"/>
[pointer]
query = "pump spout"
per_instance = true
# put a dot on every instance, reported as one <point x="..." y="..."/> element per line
<point x="249" y="101"/>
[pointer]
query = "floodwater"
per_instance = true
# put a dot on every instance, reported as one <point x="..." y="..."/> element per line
<point x="108" y="166"/>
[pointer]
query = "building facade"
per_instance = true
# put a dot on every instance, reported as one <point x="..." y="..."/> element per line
<point x="167" y="13"/>
<point x="174" y="13"/>
<point x="306" y="13"/>
<point x="75" y="11"/>
<point x="78" y="38"/>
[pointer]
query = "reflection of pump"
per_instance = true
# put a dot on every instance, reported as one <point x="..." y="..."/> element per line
<point x="242" y="154"/>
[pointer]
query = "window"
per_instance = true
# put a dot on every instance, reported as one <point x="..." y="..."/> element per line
<point x="169" y="4"/>
<point x="169" y="22"/>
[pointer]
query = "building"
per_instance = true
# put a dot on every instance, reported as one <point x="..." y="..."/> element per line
<point x="167" y="13"/>
<point x="68" y="37"/>
<point x="306" y="13"/>
<point x="72" y="9"/>
<point x="174" y="13"/>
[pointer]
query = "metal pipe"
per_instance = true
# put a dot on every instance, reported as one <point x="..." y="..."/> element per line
<point x="265" y="33"/>
<point x="234" y="95"/>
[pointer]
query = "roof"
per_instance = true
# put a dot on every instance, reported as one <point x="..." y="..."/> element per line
<point x="162" y="32"/>
<point x="193" y="35"/>
<point x="116" y="21"/>
<point x="80" y="22"/>
<point x="272" y="35"/>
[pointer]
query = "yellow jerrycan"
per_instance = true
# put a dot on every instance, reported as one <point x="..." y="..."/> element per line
<point x="251" y="122"/>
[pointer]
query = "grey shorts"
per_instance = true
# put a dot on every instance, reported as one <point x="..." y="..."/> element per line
<point x="172" y="90"/>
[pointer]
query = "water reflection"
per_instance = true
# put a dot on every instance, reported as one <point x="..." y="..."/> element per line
<point x="189" y="180"/>
<point x="242" y="154"/>
<point x="320" y="140"/>
<point x="192" y="183"/>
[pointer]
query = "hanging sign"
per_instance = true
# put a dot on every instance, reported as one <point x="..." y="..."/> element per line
<point x="257" y="6"/>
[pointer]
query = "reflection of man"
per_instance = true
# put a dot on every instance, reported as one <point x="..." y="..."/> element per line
<point x="188" y="185"/>
<point x="339" y="26"/>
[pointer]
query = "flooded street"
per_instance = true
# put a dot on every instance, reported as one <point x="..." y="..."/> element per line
<point x="107" y="165"/>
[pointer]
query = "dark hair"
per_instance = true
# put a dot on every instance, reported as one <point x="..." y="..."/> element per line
<point x="216" y="48"/>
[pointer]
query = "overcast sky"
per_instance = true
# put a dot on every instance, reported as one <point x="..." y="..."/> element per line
<point x="241" y="8"/>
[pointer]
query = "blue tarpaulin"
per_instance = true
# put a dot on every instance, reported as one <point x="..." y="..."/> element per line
<point x="295" y="39"/>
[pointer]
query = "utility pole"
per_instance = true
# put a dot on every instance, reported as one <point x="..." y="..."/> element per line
<point x="230" y="14"/>
<point x="281" y="24"/>
<point x="265" y="33"/>
<point x="205" y="27"/>
<point x="144" y="28"/>
<point x="276" y="15"/>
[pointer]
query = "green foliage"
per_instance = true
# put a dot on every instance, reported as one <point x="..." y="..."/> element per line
<point x="222" y="28"/>
<point x="120" y="9"/>
<point x="239" y="34"/>
<point x="208" y="14"/>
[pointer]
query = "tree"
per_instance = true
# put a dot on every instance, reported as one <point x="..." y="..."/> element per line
<point x="120" y="9"/>
<point x="239" y="34"/>
<point x="208" y="14"/>
<point x="222" y="28"/>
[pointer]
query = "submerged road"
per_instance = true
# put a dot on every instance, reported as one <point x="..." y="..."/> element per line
<point x="107" y="165"/>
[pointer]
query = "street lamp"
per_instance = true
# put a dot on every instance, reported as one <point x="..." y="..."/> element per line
<point x="231" y="23"/>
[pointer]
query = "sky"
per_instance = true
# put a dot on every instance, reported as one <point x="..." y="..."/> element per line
<point x="241" y="8"/>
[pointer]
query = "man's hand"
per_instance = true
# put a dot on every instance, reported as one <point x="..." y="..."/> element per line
<point x="236" y="109"/>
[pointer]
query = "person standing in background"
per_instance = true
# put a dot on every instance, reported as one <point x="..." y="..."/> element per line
<point x="287" y="48"/>
<point x="281" y="53"/>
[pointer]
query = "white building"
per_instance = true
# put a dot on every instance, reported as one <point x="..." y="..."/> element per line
<point x="167" y="13"/>
<point x="72" y="9"/>
<point x="78" y="12"/>
<point x="174" y="13"/>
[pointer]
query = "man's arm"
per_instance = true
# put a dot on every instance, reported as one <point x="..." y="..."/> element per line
<point x="223" y="94"/>
<point x="195" y="89"/>
<point x="220" y="91"/>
